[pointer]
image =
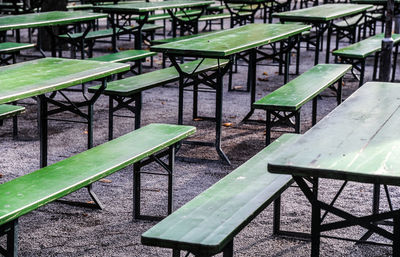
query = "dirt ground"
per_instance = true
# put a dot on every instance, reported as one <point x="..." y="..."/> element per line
<point x="62" y="230"/>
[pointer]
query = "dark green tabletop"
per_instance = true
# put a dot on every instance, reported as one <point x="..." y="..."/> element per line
<point x="45" y="75"/>
<point x="231" y="41"/>
<point x="44" y="19"/>
<point x="358" y="141"/>
<point x="322" y="13"/>
<point x="143" y="7"/>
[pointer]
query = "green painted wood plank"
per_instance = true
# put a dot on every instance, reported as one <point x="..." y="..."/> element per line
<point x="357" y="141"/>
<point x="11" y="47"/>
<point x="42" y="19"/>
<point x="366" y="47"/>
<point x="231" y="41"/>
<point x="27" y="79"/>
<point x="143" y="7"/>
<point x="8" y="110"/>
<point x="374" y="2"/>
<point x="322" y="13"/>
<point x="293" y="95"/>
<point x="351" y="21"/>
<point x="35" y="189"/>
<point x="164" y="16"/>
<point x="135" y="84"/>
<point x="209" y="221"/>
<point x="124" y="56"/>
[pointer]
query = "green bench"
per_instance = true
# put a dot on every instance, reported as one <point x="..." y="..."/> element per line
<point x="356" y="54"/>
<point x="12" y="49"/>
<point x="286" y="102"/>
<point x="8" y="111"/>
<point x="207" y="225"/>
<point x="92" y="36"/>
<point x="136" y="56"/>
<point x="127" y="93"/>
<point x="141" y="147"/>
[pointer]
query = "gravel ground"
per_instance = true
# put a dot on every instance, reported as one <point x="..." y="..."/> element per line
<point x="61" y="230"/>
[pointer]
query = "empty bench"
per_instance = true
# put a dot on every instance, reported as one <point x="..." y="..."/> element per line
<point x="27" y="193"/>
<point x="9" y="51"/>
<point x="292" y="96"/>
<point x="8" y="111"/>
<point x="127" y="93"/>
<point x="207" y="225"/>
<point x="356" y="54"/>
<point x="136" y="56"/>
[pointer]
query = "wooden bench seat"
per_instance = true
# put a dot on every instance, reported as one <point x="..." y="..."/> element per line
<point x="31" y="191"/>
<point x="207" y="225"/>
<point x="127" y="93"/>
<point x="357" y="53"/>
<point x="12" y="49"/>
<point x="175" y="39"/>
<point x="136" y="56"/>
<point x="8" y="111"/>
<point x="292" y="96"/>
<point x="166" y="16"/>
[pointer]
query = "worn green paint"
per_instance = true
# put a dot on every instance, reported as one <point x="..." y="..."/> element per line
<point x="365" y="47"/>
<point x="8" y="110"/>
<point x="357" y="141"/>
<point x="322" y="13"/>
<point x="350" y="21"/>
<point x="35" y="189"/>
<point x="143" y="7"/>
<point x="32" y="78"/>
<point x="11" y="47"/>
<point x="231" y="41"/>
<point x="43" y="19"/>
<point x="293" y="95"/>
<point x="80" y="7"/>
<point x="124" y="56"/>
<point x="211" y="220"/>
<point x="164" y="16"/>
<point x="132" y="85"/>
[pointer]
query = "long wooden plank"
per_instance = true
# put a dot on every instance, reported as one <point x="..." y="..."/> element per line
<point x="27" y="79"/>
<point x="35" y="189"/>
<point x="322" y="13"/>
<point x="10" y="47"/>
<point x="143" y="7"/>
<point x="33" y="20"/>
<point x="207" y="223"/>
<point x="8" y="110"/>
<point x="365" y="47"/>
<point x="358" y="141"/>
<point x="302" y="89"/>
<point x="231" y="41"/>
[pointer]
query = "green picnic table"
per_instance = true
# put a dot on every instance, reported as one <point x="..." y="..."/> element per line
<point x="321" y="18"/>
<point x="145" y="8"/>
<point x="47" y="75"/>
<point x="358" y="141"/>
<point x="48" y="20"/>
<point x="223" y="45"/>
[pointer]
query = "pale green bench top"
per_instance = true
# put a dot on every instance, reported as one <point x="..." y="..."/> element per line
<point x="11" y="47"/>
<point x="43" y="19"/>
<point x="124" y="56"/>
<point x="35" y="189"/>
<point x="374" y="2"/>
<point x="165" y="16"/>
<point x="231" y="41"/>
<point x="143" y="7"/>
<point x="96" y="34"/>
<point x="8" y="110"/>
<point x="358" y="141"/>
<point x="212" y="219"/>
<point x="351" y="21"/>
<point x="209" y="17"/>
<point x="322" y="13"/>
<point x="364" y="48"/>
<point x="32" y="78"/>
<point x="293" y="95"/>
<point x="135" y="84"/>
<point x="80" y="7"/>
